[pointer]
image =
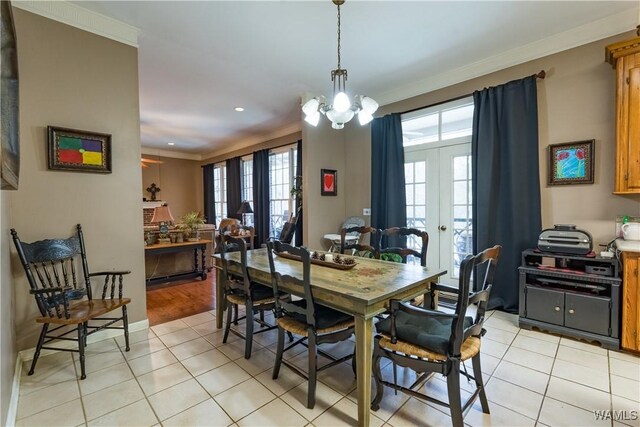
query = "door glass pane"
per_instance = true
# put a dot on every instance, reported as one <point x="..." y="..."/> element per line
<point x="462" y="231"/>
<point x="457" y="122"/>
<point x="416" y="198"/>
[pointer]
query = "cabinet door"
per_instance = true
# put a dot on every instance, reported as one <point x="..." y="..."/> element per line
<point x="545" y="305"/>
<point x="630" y="301"/>
<point x="587" y="313"/>
<point x="632" y="82"/>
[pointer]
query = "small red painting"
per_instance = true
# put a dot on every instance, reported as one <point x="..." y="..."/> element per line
<point x="328" y="182"/>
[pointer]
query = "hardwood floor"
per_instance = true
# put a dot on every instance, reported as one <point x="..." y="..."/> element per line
<point x="170" y="301"/>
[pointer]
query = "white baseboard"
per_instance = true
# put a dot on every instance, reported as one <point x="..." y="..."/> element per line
<point x="27" y="354"/>
<point x="15" y="393"/>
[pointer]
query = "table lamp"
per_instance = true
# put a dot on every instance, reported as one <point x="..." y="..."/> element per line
<point x="245" y="208"/>
<point x="162" y="215"/>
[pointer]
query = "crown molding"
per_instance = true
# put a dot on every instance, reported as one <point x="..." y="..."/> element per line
<point x="578" y="36"/>
<point x="150" y="151"/>
<point x="84" y="19"/>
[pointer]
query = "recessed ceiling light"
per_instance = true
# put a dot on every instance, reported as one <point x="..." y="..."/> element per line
<point x="239" y="109"/>
<point x="171" y="143"/>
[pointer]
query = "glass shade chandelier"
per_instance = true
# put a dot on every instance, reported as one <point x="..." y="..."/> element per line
<point x="342" y="109"/>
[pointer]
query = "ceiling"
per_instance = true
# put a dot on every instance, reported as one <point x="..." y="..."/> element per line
<point x="199" y="60"/>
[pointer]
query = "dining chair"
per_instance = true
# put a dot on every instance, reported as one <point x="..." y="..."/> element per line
<point x="371" y="249"/>
<point x="334" y="239"/>
<point x="411" y="233"/>
<point x="314" y="323"/>
<point x="64" y="295"/>
<point x="239" y="290"/>
<point x="430" y="341"/>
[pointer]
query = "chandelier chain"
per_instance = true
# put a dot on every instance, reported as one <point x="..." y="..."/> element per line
<point x="338" y="36"/>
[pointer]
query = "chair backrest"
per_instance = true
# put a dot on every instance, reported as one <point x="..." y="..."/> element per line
<point x="421" y="236"/>
<point x="234" y="283"/>
<point x="228" y="224"/>
<point x="353" y="221"/>
<point x="51" y="264"/>
<point x="283" y="306"/>
<point x="374" y="239"/>
<point x="288" y="229"/>
<point x="486" y="261"/>
<point x="246" y="232"/>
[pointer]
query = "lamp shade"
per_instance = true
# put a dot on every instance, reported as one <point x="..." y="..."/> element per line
<point x="245" y="208"/>
<point x="162" y="214"/>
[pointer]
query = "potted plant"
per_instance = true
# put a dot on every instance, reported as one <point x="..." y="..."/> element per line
<point x="190" y="223"/>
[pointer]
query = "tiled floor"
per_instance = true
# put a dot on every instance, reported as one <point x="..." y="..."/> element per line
<point x="180" y="374"/>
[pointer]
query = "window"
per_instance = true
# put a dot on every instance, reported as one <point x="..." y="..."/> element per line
<point x="282" y="170"/>
<point x="220" y="191"/>
<point x="443" y="122"/>
<point x="247" y="187"/>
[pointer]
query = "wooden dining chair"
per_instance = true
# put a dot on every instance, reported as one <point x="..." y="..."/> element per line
<point x="64" y="296"/>
<point x="371" y="249"/>
<point x="430" y="341"/>
<point x="239" y="290"/>
<point x="315" y="323"/>
<point x="405" y="253"/>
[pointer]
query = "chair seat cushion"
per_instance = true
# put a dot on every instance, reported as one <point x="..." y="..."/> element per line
<point x="325" y="317"/>
<point x="258" y="293"/>
<point x="432" y="333"/>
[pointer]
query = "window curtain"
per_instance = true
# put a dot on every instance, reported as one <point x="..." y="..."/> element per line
<point x="234" y="195"/>
<point x="261" y="214"/>
<point x="298" y="179"/>
<point x="388" y="194"/>
<point x="506" y="181"/>
<point x="209" y="201"/>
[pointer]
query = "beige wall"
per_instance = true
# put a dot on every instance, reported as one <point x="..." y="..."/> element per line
<point x="8" y="351"/>
<point x="72" y="78"/>
<point x="177" y="181"/>
<point x="575" y="102"/>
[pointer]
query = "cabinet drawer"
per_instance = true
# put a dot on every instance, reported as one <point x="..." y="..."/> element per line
<point x="545" y="305"/>
<point x="587" y="313"/>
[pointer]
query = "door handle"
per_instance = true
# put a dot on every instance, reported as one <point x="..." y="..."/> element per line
<point x="443" y="228"/>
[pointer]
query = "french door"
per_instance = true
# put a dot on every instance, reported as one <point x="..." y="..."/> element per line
<point x="438" y="186"/>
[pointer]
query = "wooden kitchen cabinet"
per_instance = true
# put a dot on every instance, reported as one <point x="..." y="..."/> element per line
<point x="631" y="301"/>
<point x="625" y="58"/>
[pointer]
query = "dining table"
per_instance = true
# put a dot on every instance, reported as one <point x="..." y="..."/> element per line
<point x="363" y="291"/>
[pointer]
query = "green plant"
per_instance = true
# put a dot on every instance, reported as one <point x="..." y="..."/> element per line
<point x="191" y="221"/>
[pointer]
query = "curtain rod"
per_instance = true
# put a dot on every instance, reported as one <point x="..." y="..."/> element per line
<point x="539" y="75"/>
<point x="270" y="148"/>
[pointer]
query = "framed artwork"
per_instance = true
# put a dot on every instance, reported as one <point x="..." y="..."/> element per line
<point x="571" y="163"/>
<point x="328" y="182"/>
<point x="78" y="150"/>
<point x="9" y="97"/>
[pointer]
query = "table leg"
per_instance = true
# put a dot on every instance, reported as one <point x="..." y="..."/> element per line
<point x="219" y="298"/>
<point x="364" y="339"/>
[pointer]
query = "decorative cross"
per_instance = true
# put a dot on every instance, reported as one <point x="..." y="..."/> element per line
<point x="153" y="190"/>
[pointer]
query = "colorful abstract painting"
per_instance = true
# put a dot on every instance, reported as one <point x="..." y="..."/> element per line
<point x="571" y="163"/>
<point x="75" y="150"/>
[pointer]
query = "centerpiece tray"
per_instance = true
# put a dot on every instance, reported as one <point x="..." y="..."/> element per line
<point x="329" y="264"/>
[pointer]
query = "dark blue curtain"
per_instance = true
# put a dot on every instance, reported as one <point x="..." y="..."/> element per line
<point x="298" y="178"/>
<point x="209" y="205"/>
<point x="261" y="216"/>
<point x="234" y="195"/>
<point x="506" y="181"/>
<point x="388" y="197"/>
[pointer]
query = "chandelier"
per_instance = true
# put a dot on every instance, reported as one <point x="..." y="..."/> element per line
<point x="342" y="109"/>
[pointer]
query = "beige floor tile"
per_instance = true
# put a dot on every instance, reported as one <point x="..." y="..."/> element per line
<point x="267" y="338"/>
<point x="578" y="395"/>
<point x="488" y="363"/>
<point x="540" y="335"/>
<point x="135" y="337"/>
<point x="518" y="399"/>
<point x="511" y="317"/>
<point x="52" y="361"/>
<point x="273" y="414"/>
<point x="416" y="413"/>
<point x="111" y="398"/>
<point x="624" y="356"/>
<point x="178" y="337"/>
<point x="287" y="379"/>
<point x="340" y="378"/>
<point x="67" y="414"/>
<point x="529" y="359"/>
<point x="494" y="348"/>
<point x="98" y="361"/>
<point x="143" y="348"/>
<point x="500" y="416"/>
<point x="47" y="376"/>
<point x="177" y="398"/>
<point x="624" y="368"/>
<point x="206" y="361"/>
<point x="339" y="349"/>
<point x="508" y="325"/>
<point x="582" y="375"/>
<point x="47" y="398"/>
<point x="389" y="405"/>
<point x="206" y="328"/>
<point x="215" y="338"/>
<point x="546" y="348"/>
<point x="105" y="378"/>
<point x="436" y="387"/>
<point x="150" y="362"/>
<point x="556" y="413"/>
<point x="625" y="387"/>
<point x="593" y="348"/>
<point x="297" y="399"/>
<point x="522" y="376"/>
<point x="344" y="413"/>
<point x="260" y="361"/>
<point x="500" y="335"/>
<point x="169" y="327"/>
<point x="235" y="350"/>
<point x="243" y="399"/>
<point x="627" y="408"/>
<point x="205" y="414"/>
<point x="137" y="414"/>
<point x="191" y="348"/>
<point x="289" y="354"/>
<point x="301" y="361"/>
<point x="102" y="346"/>
<point x="198" y="319"/>
<point x="223" y="378"/>
<point x="163" y="378"/>
<point x="584" y="358"/>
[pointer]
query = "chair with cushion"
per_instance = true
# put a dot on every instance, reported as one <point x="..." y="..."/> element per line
<point x="228" y="224"/>
<point x="239" y="290"/>
<point x="411" y="233"/>
<point x="371" y="250"/>
<point x="352" y="221"/>
<point x="314" y="323"/>
<point x="430" y="341"/>
<point x="64" y="296"/>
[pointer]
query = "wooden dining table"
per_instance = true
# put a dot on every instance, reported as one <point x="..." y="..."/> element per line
<point x="362" y="291"/>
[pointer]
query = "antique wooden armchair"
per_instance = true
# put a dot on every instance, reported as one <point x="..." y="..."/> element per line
<point x="60" y="290"/>
<point x="374" y="238"/>
<point x="404" y="253"/>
